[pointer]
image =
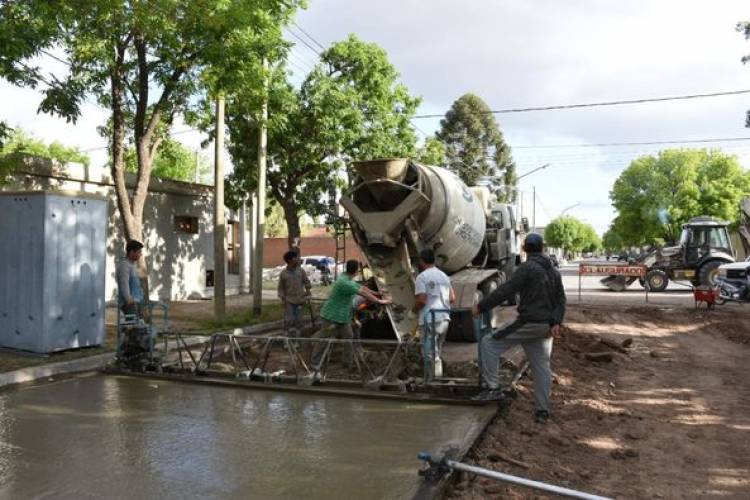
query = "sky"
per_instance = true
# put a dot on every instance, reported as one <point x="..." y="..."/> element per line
<point x="523" y="54"/>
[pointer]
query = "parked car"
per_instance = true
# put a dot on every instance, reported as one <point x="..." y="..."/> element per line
<point x="318" y="262"/>
<point x="321" y="263"/>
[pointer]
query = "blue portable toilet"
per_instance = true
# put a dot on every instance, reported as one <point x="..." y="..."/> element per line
<point x="52" y="270"/>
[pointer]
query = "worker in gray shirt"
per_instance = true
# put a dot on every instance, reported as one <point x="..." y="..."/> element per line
<point x="540" y="313"/>
<point x="294" y="291"/>
<point x="129" y="291"/>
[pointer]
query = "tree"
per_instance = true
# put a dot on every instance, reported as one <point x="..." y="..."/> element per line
<point x="611" y="241"/>
<point x="571" y="235"/>
<point x="474" y="144"/>
<point x="143" y="60"/>
<point x="351" y="106"/>
<point x="19" y="143"/>
<point x="562" y="232"/>
<point x="275" y="223"/>
<point x="744" y="28"/>
<point x="655" y="195"/>
<point x="173" y="161"/>
<point x="587" y="240"/>
<point x="432" y="152"/>
<point x="5" y="132"/>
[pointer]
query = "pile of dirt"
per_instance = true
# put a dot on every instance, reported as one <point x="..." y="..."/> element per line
<point x="646" y="403"/>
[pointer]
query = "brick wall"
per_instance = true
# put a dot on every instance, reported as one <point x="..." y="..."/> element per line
<point x="274" y="249"/>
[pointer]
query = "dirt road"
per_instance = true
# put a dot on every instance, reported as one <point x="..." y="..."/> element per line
<point x="667" y="417"/>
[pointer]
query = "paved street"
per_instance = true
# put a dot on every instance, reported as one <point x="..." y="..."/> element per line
<point x="593" y="292"/>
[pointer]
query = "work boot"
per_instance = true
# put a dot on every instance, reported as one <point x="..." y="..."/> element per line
<point x="488" y="394"/>
<point x="541" y="416"/>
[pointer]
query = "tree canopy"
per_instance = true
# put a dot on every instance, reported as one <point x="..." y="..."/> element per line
<point x="572" y="235"/>
<point x="5" y="132"/>
<point x="474" y="145"/>
<point x="18" y="142"/>
<point x="145" y="61"/>
<point x="351" y="106"/>
<point x="175" y="161"/>
<point x="744" y="28"/>
<point x="655" y="195"/>
<point x="612" y="242"/>
<point x="432" y="152"/>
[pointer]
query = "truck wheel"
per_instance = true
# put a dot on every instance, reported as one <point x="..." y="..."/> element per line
<point x="657" y="280"/>
<point x="708" y="272"/>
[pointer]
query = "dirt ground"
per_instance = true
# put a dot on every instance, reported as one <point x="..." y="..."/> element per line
<point x="667" y="417"/>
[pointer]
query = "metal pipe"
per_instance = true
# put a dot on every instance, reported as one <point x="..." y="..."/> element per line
<point x="480" y="471"/>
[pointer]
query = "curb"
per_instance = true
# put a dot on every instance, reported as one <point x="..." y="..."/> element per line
<point x="33" y="373"/>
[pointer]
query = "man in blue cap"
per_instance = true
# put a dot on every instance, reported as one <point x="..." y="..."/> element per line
<point x="540" y="313"/>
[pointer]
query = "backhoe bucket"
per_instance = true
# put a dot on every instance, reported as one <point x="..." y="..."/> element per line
<point x="617" y="283"/>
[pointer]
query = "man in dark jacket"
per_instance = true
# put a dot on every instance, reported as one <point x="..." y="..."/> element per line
<point x="540" y="313"/>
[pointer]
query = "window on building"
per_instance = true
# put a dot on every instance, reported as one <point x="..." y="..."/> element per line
<point x="186" y="224"/>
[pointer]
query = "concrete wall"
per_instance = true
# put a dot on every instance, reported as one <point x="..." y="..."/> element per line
<point x="177" y="261"/>
<point x="274" y="249"/>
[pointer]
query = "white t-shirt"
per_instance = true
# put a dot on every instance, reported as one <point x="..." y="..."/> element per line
<point x="437" y="286"/>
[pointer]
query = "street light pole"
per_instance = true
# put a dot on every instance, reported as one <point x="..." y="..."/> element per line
<point x="532" y="171"/>
<point x="568" y="208"/>
<point x="533" y="213"/>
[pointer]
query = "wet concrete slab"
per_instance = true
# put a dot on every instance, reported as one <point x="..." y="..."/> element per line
<point x="119" y="437"/>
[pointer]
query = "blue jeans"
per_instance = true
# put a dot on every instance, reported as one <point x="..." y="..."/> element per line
<point x="433" y="339"/>
<point x="293" y="314"/>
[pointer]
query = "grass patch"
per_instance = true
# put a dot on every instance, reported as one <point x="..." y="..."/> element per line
<point x="273" y="311"/>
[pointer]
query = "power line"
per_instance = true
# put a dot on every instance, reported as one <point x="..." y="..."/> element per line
<point x="302" y="60"/>
<point x="49" y="54"/>
<point x="304" y="42"/>
<point x="648" y="143"/>
<point x="300" y="63"/>
<point x="420" y="130"/>
<point x="604" y="103"/>
<point x="308" y="35"/>
<point x="297" y="67"/>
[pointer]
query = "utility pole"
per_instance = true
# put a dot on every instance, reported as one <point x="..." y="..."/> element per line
<point x="253" y="232"/>
<point x="195" y="175"/>
<point x="260" y="232"/>
<point x="244" y="243"/>
<point x="533" y="213"/>
<point x="220" y="231"/>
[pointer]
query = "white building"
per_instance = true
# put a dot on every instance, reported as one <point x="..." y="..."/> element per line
<point x="178" y="222"/>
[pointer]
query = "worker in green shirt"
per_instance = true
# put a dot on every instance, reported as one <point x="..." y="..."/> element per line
<point x="337" y="313"/>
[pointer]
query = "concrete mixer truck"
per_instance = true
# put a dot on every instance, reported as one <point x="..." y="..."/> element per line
<point x="398" y="207"/>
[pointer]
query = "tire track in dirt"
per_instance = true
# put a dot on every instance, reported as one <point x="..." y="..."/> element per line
<point x="668" y="419"/>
